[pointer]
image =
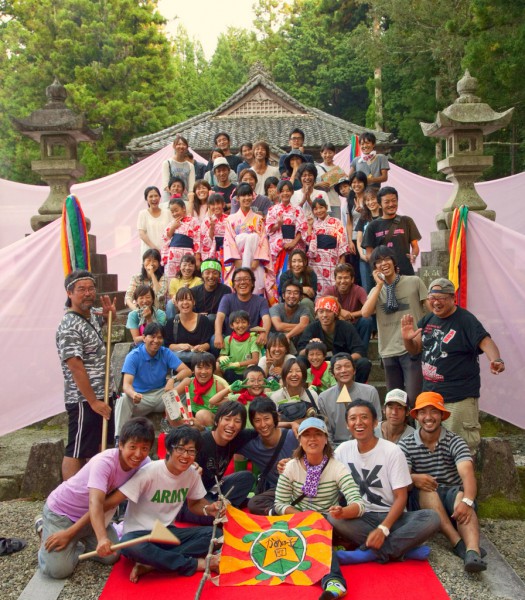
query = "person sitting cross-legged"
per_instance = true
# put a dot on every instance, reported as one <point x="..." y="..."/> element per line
<point x="386" y="531"/>
<point x="157" y="493"/>
<point x="444" y="479"/>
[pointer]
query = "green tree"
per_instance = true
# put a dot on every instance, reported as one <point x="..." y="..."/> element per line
<point x="113" y="57"/>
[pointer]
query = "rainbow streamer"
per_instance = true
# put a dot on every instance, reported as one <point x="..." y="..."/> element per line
<point x="355" y="149"/>
<point x="281" y="264"/>
<point x="74" y="237"/>
<point x="457" y="246"/>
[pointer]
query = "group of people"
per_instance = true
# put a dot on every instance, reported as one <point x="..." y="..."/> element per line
<point x="257" y="317"/>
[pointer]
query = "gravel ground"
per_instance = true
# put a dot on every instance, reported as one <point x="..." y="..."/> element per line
<point x="17" y="516"/>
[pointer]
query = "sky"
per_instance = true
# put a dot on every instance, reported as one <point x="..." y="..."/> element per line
<point x="205" y="20"/>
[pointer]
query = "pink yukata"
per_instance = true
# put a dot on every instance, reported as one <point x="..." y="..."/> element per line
<point x="327" y="244"/>
<point x="185" y="240"/>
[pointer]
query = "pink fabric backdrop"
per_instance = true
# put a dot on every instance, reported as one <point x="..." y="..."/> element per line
<point x="32" y="294"/>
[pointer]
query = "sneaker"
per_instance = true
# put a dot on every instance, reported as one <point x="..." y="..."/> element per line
<point x="39" y="525"/>
<point x="333" y="589"/>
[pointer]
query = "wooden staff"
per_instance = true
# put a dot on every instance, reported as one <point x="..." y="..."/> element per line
<point x="159" y="534"/>
<point x="104" y="443"/>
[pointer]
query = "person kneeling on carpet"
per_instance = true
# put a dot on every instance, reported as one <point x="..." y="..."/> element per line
<point x="158" y="492"/>
<point x="66" y="520"/>
<point x="386" y="531"/>
<point x="313" y="480"/>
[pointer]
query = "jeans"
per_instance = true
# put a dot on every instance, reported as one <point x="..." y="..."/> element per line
<point x="409" y="531"/>
<point x="60" y="564"/>
<point x="404" y="372"/>
<point x="364" y="327"/>
<point x="242" y="482"/>
<point x="195" y="542"/>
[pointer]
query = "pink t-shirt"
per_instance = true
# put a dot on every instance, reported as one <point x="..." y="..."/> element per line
<point x="102" y="472"/>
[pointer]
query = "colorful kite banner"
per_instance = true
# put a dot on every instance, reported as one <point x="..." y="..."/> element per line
<point x="355" y="149"/>
<point x="74" y="238"/>
<point x="295" y="549"/>
<point x="457" y="246"/>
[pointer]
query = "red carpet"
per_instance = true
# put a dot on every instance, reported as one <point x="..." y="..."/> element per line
<point x="411" y="580"/>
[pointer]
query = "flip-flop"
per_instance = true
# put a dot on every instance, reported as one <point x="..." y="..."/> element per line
<point x="461" y="550"/>
<point x="10" y="545"/>
<point x="473" y="562"/>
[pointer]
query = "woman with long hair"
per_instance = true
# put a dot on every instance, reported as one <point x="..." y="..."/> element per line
<point x="178" y="166"/>
<point x="152" y="274"/>
<point x="198" y="200"/>
<point x="371" y="211"/>
<point x="152" y="221"/>
<point x="261" y="165"/>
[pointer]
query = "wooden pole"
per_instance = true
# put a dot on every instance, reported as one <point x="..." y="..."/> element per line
<point x="104" y="443"/>
<point x="159" y="534"/>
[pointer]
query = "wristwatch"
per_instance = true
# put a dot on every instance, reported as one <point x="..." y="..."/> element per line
<point x="384" y="529"/>
<point x="468" y="502"/>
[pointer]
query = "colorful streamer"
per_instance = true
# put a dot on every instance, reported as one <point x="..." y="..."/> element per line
<point x="355" y="149"/>
<point x="457" y="270"/>
<point x="74" y="237"/>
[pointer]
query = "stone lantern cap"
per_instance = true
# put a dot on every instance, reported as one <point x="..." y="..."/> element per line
<point x="55" y="119"/>
<point x="467" y="112"/>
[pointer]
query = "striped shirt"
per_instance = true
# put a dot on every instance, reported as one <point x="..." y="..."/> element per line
<point x="335" y="479"/>
<point x="442" y="462"/>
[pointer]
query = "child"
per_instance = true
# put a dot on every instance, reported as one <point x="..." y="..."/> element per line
<point x="66" y="519"/>
<point x="319" y="376"/>
<point x="159" y="492"/>
<point x="240" y="348"/>
<point x="212" y="229"/>
<point x="180" y="237"/>
<point x="252" y="386"/>
<point x="277" y="353"/>
<point x="270" y="189"/>
<point x="144" y="297"/>
<point x="374" y="166"/>
<point x="187" y="276"/>
<point x="328" y="245"/>
<point x="177" y="188"/>
<point x="203" y="386"/>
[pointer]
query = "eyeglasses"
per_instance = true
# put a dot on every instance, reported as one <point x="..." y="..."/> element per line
<point x="380" y="261"/>
<point x="181" y="450"/>
<point x="439" y="298"/>
<point x="243" y="280"/>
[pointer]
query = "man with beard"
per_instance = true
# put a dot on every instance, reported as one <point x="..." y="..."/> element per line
<point x="337" y="335"/>
<point x="444" y="479"/>
<point x="82" y="353"/>
<point x="290" y="317"/>
<point x="342" y="367"/>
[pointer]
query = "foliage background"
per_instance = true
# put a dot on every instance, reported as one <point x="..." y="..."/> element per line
<point x="122" y="70"/>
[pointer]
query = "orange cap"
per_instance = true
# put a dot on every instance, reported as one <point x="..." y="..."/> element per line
<point x="430" y="399"/>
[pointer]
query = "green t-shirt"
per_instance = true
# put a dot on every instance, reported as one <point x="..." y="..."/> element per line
<point x="206" y="398"/>
<point x="240" y="351"/>
<point x="327" y="380"/>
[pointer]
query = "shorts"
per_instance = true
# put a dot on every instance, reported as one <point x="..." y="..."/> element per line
<point x="464" y="421"/>
<point x="85" y="430"/>
<point x="447" y="494"/>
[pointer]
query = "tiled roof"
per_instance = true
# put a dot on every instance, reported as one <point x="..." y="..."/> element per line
<point x="257" y="110"/>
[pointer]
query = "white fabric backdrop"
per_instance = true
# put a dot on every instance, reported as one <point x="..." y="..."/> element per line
<point x="32" y="294"/>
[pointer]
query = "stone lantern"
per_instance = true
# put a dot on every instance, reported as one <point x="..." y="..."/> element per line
<point x="463" y="124"/>
<point x="58" y="130"/>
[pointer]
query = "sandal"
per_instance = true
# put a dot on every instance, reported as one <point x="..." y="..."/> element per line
<point x="461" y="550"/>
<point x="473" y="562"/>
<point x="10" y="545"/>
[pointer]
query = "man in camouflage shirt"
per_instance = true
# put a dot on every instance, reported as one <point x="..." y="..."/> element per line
<point x="82" y="353"/>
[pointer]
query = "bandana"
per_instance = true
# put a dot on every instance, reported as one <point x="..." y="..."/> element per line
<point x="328" y="303"/>
<point x="313" y="475"/>
<point x="211" y="264"/>
<point x="199" y="390"/>
<point x="391" y="300"/>
<point x="83" y="278"/>
<point x="240" y="338"/>
<point x="244" y="397"/>
<point x="368" y="157"/>
<point x="318" y="373"/>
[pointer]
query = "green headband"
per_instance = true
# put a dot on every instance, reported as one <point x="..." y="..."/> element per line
<point x="211" y="264"/>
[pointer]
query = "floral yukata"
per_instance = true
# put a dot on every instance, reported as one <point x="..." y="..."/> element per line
<point x="245" y="240"/>
<point x="327" y="244"/>
<point x="212" y="248"/>
<point x="185" y="240"/>
<point x="293" y="222"/>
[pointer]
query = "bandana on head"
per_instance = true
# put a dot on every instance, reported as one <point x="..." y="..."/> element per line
<point x="211" y="264"/>
<point x="82" y="278"/>
<point x="328" y="303"/>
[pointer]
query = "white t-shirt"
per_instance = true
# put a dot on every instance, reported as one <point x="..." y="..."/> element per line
<point x="155" y="493"/>
<point x="377" y="473"/>
<point x="153" y="226"/>
<point x="297" y="197"/>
